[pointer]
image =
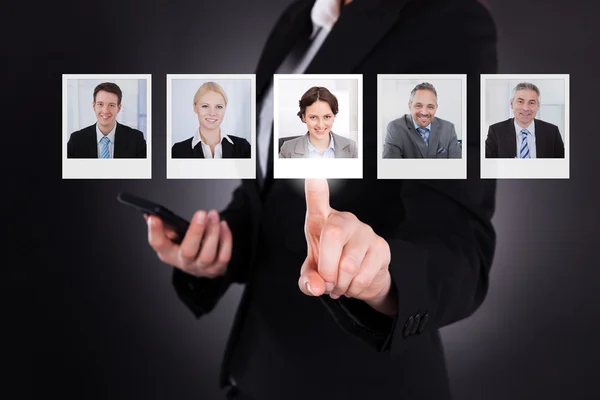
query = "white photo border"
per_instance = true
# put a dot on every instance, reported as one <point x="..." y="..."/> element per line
<point x="113" y="168"/>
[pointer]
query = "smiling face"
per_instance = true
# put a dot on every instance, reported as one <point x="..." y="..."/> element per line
<point x="319" y="119"/>
<point x="423" y="107"/>
<point x="210" y="109"/>
<point x="525" y="105"/>
<point x="106" y="108"/>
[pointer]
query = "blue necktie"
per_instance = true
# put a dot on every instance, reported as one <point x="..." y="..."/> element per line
<point x="524" y="152"/>
<point x="424" y="132"/>
<point x="104" y="153"/>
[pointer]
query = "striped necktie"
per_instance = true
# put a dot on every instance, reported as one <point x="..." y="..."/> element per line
<point x="424" y="132"/>
<point x="524" y="152"/>
<point x="104" y="153"/>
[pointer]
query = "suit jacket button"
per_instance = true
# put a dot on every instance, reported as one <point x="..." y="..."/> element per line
<point x="408" y="327"/>
<point x="423" y="322"/>
<point x="415" y="326"/>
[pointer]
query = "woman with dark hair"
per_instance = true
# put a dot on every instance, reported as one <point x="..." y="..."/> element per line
<point x="318" y="108"/>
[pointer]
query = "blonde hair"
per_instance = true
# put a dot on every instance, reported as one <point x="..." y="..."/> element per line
<point x="209" y="87"/>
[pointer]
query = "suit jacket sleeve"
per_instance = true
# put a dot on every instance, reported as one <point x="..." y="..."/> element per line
<point x="71" y="148"/>
<point x="391" y="144"/>
<point x="454" y="150"/>
<point x="140" y="151"/>
<point x="559" y="146"/>
<point x="202" y="294"/>
<point x="491" y="144"/>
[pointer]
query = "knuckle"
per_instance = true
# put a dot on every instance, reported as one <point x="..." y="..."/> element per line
<point x="333" y="232"/>
<point x="186" y="254"/>
<point x="349" y="265"/>
<point x="362" y="281"/>
<point x="224" y="259"/>
<point x="207" y="258"/>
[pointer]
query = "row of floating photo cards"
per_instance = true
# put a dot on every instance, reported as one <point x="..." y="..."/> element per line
<point x="416" y="127"/>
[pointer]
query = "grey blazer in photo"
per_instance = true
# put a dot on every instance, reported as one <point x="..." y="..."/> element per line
<point x="298" y="147"/>
<point x="403" y="141"/>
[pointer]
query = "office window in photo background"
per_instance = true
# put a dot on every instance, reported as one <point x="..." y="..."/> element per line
<point x="80" y="95"/>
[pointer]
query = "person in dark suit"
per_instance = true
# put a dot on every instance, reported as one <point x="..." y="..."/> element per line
<point x="421" y="134"/>
<point x="524" y="136"/>
<point x="377" y="281"/>
<point x="318" y="109"/>
<point x="210" y="103"/>
<point x="107" y="138"/>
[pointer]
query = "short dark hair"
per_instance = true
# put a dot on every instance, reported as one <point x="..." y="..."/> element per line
<point x="110" y="88"/>
<point x="317" y="93"/>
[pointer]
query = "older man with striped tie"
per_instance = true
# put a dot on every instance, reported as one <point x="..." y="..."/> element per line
<point x="524" y="136"/>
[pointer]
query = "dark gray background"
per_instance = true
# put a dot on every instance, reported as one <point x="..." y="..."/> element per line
<point x="110" y="326"/>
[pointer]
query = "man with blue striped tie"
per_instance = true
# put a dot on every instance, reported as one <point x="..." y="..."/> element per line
<point x="107" y="138"/>
<point x="524" y="136"/>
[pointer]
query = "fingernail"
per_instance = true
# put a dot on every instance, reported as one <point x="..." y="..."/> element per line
<point x="213" y="217"/>
<point x="329" y="287"/>
<point x="150" y="221"/>
<point x="200" y="218"/>
<point x="309" y="288"/>
<point x="334" y="296"/>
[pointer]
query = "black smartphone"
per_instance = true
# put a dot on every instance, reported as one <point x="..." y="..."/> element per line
<point x="168" y="217"/>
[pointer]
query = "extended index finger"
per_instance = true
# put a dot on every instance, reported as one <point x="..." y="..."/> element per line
<point x="317" y="197"/>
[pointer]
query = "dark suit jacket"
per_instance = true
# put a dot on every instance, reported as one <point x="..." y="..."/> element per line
<point x="239" y="149"/>
<point x="403" y="141"/>
<point x="285" y="345"/>
<point x="501" y="141"/>
<point x="129" y="143"/>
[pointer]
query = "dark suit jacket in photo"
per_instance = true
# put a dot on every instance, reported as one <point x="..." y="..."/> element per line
<point x="239" y="149"/>
<point x="286" y="345"/>
<point x="129" y="143"/>
<point x="501" y="141"/>
<point x="403" y="141"/>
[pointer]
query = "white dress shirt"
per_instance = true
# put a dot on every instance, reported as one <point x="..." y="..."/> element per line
<point x="111" y="137"/>
<point x="324" y="14"/>
<point x="329" y="152"/>
<point x="206" y="148"/>
<point x="530" y="139"/>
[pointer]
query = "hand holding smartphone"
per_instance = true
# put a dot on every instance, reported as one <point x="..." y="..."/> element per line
<point x="202" y="248"/>
<point x="168" y="217"/>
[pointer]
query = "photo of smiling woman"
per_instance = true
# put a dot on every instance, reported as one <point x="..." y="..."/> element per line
<point x="210" y="104"/>
<point x="318" y="109"/>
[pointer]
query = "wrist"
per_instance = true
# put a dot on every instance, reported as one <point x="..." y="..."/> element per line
<point x="386" y="302"/>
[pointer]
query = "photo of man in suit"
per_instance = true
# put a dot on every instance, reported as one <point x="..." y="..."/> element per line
<point x="420" y="134"/>
<point x="523" y="136"/>
<point x="107" y="138"/>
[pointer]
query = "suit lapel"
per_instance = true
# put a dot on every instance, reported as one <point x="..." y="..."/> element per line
<point x="301" y="148"/>
<point x="227" y="149"/>
<point x="541" y="144"/>
<point x="120" y="142"/>
<point x="415" y="136"/>
<point x="511" y="143"/>
<point x="197" y="151"/>
<point x="282" y="39"/>
<point x="360" y="26"/>
<point x="91" y="143"/>
<point x="434" y="139"/>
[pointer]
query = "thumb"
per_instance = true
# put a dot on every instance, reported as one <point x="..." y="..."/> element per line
<point x="310" y="282"/>
<point x="317" y="197"/>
